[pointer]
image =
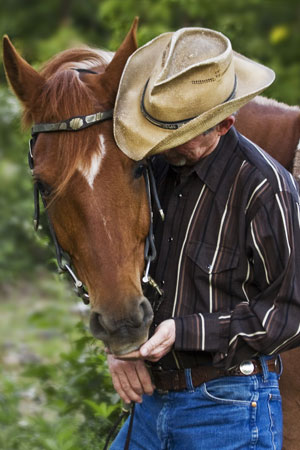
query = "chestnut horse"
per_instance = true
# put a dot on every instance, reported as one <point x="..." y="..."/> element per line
<point x="274" y="126"/>
<point x="97" y="205"/>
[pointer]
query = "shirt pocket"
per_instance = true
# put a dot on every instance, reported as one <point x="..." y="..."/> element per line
<point x="211" y="259"/>
<point x="213" y="267"/>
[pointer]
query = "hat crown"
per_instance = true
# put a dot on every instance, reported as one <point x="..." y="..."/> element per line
<point x="194" y="73"/>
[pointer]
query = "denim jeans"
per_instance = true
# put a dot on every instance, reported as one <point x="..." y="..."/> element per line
<point x="228" y="413"/>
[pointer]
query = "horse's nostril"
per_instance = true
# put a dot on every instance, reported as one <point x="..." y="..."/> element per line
<point x="96" y="328"/>
<point x="125" y="325"/>
<point x="147" y="312"/>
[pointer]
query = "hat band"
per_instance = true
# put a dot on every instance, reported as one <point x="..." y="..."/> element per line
<point x="178" y="124"/>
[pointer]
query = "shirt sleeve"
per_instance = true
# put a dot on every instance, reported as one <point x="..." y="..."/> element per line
<point x="269" y="321"/>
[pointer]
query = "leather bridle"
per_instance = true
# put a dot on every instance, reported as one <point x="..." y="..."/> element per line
<point x="144" y="168"/>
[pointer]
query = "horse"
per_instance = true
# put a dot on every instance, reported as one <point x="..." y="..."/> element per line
<point x="274" y="126"/>
<point x="96" y="200"/>
<point x="97" y="206"/>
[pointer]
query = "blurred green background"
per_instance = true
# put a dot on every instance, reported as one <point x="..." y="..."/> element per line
<point x="55" y="392"/>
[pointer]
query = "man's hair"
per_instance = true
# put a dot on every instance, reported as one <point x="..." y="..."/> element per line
<point x="213" y="128"/>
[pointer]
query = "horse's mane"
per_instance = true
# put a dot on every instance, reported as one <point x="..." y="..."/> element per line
<point x="64" y="95"/>
<point x="275" y="107"/>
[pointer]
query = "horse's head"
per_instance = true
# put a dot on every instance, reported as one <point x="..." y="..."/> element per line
<point x="96" y="202"/>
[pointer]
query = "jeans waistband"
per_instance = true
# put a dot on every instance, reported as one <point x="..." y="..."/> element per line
<point x="176" y="380"/>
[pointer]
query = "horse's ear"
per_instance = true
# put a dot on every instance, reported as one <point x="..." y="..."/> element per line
<point x="23" y="79"/>
<point x="111" y="76"/>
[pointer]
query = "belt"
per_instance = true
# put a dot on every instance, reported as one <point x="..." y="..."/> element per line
<point x="175" y="380"/>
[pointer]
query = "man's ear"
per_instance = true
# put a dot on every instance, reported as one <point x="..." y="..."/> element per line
<point x="224" y="126"/>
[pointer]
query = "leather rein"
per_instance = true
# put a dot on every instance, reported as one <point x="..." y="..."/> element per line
<point x="144" y="168"/>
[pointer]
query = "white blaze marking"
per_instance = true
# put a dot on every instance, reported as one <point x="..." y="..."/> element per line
<point x="92" y="171"/>
<point x="102" y="145"/>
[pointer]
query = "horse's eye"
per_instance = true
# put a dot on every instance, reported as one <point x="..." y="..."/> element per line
<point x="44" y="188"/>
<point x="139" y="170"/>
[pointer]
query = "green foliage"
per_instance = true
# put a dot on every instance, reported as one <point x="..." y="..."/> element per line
<point x="78" y="387"/>
<point x="21" y="249"/>
<point x="55" y="389"/>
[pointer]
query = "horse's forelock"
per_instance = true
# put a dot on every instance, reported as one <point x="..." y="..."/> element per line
<point x="81" y="58"/>
<point x="64" y="95"/>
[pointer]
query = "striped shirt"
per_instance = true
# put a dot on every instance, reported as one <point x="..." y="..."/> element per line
<point x="227" y="259"/>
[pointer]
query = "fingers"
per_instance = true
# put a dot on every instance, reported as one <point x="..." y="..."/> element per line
<point x="126" y="391"/>
<point x="132" y="356"/>
<point x="160" y="343"/>
<point x="145" y="378"/>
<point x="130" y="379"/>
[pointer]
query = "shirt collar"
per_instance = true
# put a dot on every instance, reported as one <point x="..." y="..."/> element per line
<point x="211" y="168"/>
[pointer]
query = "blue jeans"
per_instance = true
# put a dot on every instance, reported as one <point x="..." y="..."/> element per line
<point x="229" y="413"/>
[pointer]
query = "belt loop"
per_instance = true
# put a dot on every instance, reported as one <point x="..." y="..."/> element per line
<point x="263" y="362"/>
<point x="280" y="365"/>
<point x="188" y="379"/>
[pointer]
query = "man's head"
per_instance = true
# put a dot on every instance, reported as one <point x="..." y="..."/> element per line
<point x="178" y="86"/>
<point x="189" y="153"/>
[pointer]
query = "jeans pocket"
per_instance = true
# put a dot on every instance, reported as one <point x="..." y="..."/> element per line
<point x="228" y="391"/>
<point x="275" y="416"/>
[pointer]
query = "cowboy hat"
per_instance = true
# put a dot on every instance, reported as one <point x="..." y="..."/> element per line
<point x="179" y="85"/>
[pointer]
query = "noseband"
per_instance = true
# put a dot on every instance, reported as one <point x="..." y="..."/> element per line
<point x="63" y="259"/>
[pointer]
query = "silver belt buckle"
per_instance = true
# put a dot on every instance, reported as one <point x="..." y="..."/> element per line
<point x="247" y="367"/>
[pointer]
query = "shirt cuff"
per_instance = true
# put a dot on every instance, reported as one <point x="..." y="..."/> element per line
<point x="202" y="332"/>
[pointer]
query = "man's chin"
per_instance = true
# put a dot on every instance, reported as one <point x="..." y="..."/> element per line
<point x="178" y="162"/>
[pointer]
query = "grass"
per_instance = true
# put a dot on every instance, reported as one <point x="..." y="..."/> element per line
<point x="55" y="390"/>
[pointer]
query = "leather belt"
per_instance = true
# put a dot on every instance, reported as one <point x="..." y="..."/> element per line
<point x="175" y="380"/>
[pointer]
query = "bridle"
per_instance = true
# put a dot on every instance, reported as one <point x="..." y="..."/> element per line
<point x="74" y="124"/>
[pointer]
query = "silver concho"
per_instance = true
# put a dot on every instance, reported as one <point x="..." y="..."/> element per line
<point x="247" y="367"/>
<point x="76" y="123"/>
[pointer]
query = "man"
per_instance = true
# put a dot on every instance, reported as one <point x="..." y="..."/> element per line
<point x="208" y="376"/>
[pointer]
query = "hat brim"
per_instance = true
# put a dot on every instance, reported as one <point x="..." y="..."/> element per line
<point x="138" y="138"/>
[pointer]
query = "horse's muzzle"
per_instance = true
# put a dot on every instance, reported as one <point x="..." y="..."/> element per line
<point x="124" y="334"/>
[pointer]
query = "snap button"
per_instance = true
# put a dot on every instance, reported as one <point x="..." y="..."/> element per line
<point x="170" y="239"/>
<point x="180" y="195"/>
<point x="247" y="367"/>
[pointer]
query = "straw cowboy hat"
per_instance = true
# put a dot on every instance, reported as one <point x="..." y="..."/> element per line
<point x="179" y="85"/>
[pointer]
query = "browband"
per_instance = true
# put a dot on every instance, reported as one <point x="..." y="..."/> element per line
<point x="73" y="123"/>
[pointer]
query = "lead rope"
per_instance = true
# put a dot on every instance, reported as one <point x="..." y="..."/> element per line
<point x="125" y="411"/>
<point x="150" y="250"/>
<point x="128" y="437"/>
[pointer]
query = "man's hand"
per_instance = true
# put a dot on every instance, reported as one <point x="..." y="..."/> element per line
<point x="158" y="346"/>
<point x="129" y="374"/>
<point x="131" y="379"/>
<point x="161" y="342"/>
